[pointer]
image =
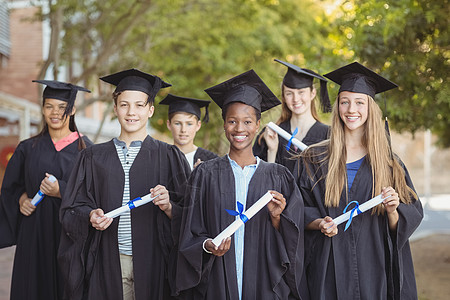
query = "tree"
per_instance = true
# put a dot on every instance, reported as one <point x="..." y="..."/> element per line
<point x="192" y="44"/>
<point x="407" y="41"/>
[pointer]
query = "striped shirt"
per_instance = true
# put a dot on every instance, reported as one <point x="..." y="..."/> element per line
<point x="242" y="179"/>
<point x="126" y="156"/>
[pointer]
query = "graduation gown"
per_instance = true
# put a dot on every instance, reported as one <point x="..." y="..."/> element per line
<point x="90" y="258"/>
<point x="317" y="133"/>
<point x="367" y="261"/>
<point x="204" y="155"/>
<point x="272" y="259"/>
<point x="35" y="270"/>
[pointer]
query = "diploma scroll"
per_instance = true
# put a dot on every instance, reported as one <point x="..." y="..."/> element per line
<point x="130" y="205"/>
<point x="249" y="213"/>
<point x="285" y="135"/>
<point x="40" y="195"/>
<point x="362" y="208"/>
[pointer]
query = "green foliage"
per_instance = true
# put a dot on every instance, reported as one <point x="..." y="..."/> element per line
<point x="407" y="41"/>
<point x="195" y="44"/>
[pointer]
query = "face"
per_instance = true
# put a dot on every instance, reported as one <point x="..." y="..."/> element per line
<point x="353" y="110"/>
<point x="53" y="111"/>
<point x="133" y="111"/>
<point x="299" y="100"/>
<point x="241" y="126"/>
<point x="183" y="127"/>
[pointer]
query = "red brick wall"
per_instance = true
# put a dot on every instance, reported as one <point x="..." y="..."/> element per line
<point x="26" y="55"/>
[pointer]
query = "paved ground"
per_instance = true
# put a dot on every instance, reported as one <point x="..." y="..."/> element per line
<point x="431" y="257"/>
<point x="430" y="246"/>
<point x="6" y="260"/>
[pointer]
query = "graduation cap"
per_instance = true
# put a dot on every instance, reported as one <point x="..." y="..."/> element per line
<point x="247" y="88"/>
<point x="299" y="78"/>
<point x="359" y="79"/>
<point x="62" y="91"/>
<point x="135" y="80"/>
<point x="188" y="105"/>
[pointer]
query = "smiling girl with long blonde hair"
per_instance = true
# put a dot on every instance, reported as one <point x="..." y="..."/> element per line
<point x="371" y="259"/>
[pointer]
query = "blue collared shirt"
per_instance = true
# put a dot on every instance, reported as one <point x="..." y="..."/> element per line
<point x="242" y="177"/>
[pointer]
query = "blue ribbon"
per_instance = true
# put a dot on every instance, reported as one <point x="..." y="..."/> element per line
<point x="131" y="202"/>
<point x="356" y="208"/>
<point x="288" y="146"/>
<point x="239" y="212"/>
<point x="41" y="196"/>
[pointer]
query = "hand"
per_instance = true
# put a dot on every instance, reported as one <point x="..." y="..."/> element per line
<point x="392" y="200"/>
<point x="162" y="200"/>
<point x="98" y="219"/>
<point x="221" y="250"/>
<point x="276" y="205"/>
<point x="327" y="227"/>
<point x="199" y="161"/>
<point x="25" y="206"/>
<point x="271" y="138"/>
<point x="50" y="188"/>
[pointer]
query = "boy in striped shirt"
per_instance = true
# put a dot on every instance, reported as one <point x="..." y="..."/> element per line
<point x="125" y="257"/>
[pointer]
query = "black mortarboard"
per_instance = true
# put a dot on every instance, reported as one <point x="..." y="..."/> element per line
<point x="62" y="91"/>
<point x="247" y="88"/>
<point x="188" y="105"/>
<point x="359" y="79"/>
<point x="299" y="78"/>
<point x="135" y="80"/>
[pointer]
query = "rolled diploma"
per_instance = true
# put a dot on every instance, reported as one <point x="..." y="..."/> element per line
<point x="140" y="201"/>
<point x="285" y="135"/>
<point x="256" y="207"/>
<point x="362" y="207"/>
<point x="40" y="195"/>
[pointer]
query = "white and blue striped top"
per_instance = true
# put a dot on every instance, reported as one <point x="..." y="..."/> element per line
<point x="126" y="156"/>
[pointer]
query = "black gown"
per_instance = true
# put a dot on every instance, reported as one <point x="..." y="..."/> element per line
<point x="317" y="133"/>
<point x="367" y="261"/>
<point x="273" y="260"/>
<point x="204" y="155"/>
<point x="90" y="258"/>
<point x="35" y="271"/>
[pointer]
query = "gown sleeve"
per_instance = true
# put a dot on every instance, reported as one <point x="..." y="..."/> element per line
<point x="13" y="186"/>
<point x="193" y="263"/>
<point x="410" y="217"/>
<point x="291" y="232"/>
<point x="77" y="203"/>
<point x="260" y="146"/>
<point x="303" y="180"/>
<point x="63" y="183"/>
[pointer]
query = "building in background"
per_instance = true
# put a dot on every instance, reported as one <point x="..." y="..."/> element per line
<point x="24" y="43"/>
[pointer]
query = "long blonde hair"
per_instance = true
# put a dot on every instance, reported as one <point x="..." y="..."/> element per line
<point x="386" y="171"/>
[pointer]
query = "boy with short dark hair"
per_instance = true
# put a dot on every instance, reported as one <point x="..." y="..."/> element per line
<point x="184" y="123"/>
<point x="125" y="257"/>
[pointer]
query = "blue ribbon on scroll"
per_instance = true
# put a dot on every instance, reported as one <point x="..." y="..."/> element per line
<point x="131" y="202"/>
<point x="288" y="146"/>
<point x="355" y="209"/>
<point x="239" y="212"/>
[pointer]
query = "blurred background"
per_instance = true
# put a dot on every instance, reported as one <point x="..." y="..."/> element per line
<point x="195" y="44"/>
